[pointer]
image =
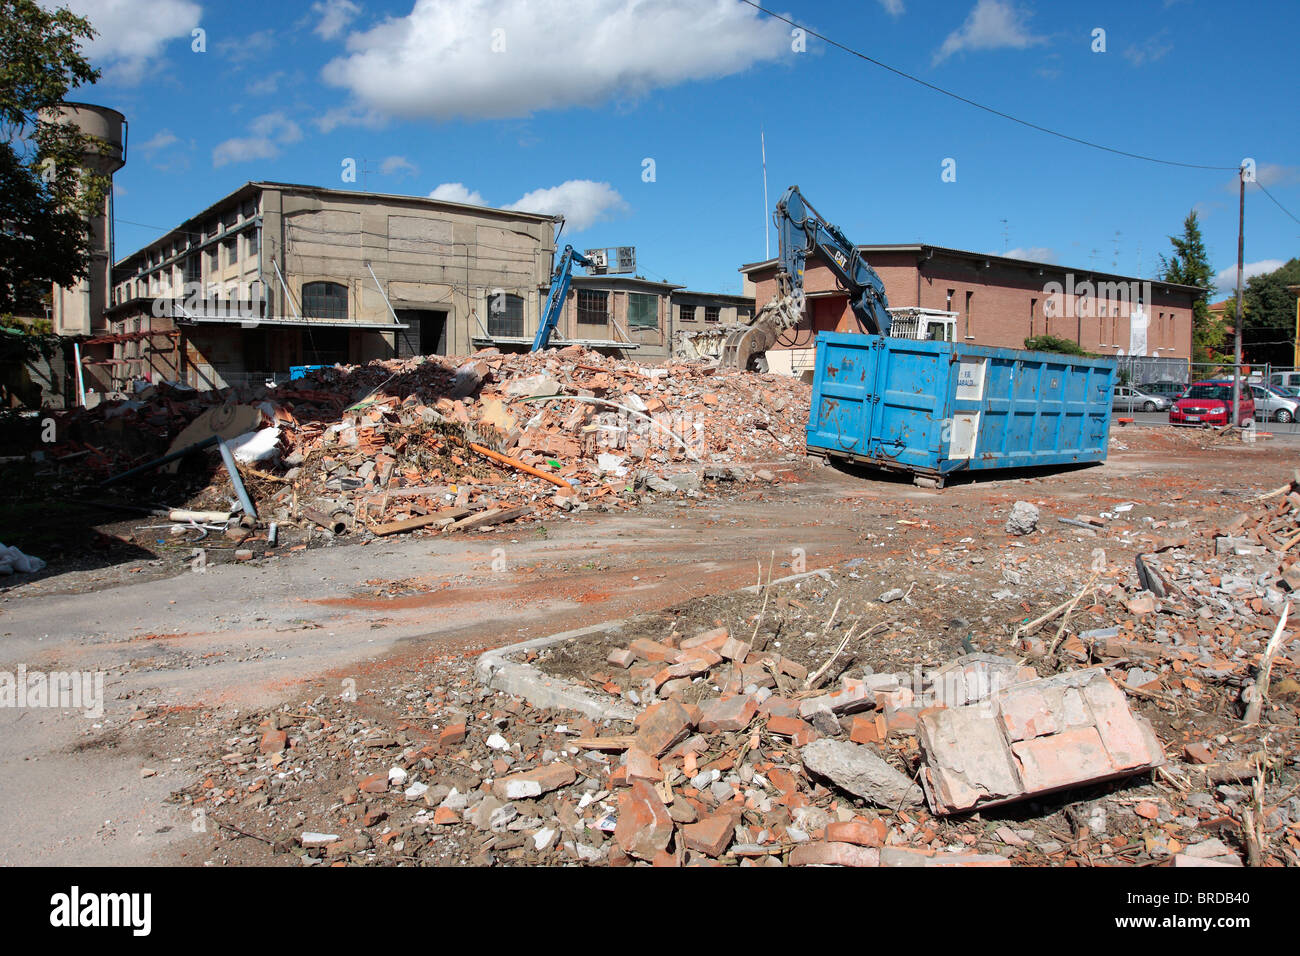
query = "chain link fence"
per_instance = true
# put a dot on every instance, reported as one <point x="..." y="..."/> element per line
<point x="1147" y="388"/>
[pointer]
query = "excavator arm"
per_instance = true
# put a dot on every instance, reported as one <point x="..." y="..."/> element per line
<point x="802" y="231"/>
<point x="559" y="292"/>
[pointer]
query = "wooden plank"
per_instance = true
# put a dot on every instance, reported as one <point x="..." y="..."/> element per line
<point x="410" y="524"/>
<point x="489" y="518"/>
<point x="622" y="742"/>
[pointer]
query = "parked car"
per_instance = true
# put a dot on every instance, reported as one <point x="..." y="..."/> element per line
<point x="1274" y="405"/>
<point x="1170" y="390"/>
<point x="1285" y="379"/>
<point x="1207" y="403"/>
<point x="1126" y="398"/>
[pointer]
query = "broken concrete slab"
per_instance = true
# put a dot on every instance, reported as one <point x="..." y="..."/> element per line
<point x="1033" y="738"/>
<point x="857" y="769"/>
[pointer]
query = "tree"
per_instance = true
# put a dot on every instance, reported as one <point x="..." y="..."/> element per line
<point x="1190" y="265"/>
<point x="1268" y="315"/>
<point x="46" y="197"/>
<point x="1052" y="343"/>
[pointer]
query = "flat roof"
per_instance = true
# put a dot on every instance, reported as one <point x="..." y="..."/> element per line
<point x="255" y="186"/>
<point x="984" y="256"/>
<point x="622" y="280"/>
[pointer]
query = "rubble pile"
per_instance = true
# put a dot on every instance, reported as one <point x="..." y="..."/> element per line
<point x="1198" y="608"/>
<point x="1120" y="735"/>
<point x="432" y="443"/>
<point x="729" y="757"/>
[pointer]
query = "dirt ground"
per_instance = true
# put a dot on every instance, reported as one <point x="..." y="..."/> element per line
<point x="365" y="653"/>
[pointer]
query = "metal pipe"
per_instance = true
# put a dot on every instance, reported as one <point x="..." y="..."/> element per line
<point x="150" y="465"/>
<point x="81" y="385"/>
<point x="330" y="523"/>
<point x="250" y="509"/>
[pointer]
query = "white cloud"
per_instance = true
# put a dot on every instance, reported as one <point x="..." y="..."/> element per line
<point x="266" y="85"/>
<point x="582" y="202"/>
<point x="247" y="46"/>
<point x="132" y="33"/>
<point x="398" y="164"/>
<point x="458" y="192"/>
<point x="893" y="7"/>
<point x="159" y="140"/>
<point x="332" y="119"/>
<point x="1225" y="280"/>
<point x="269" y="132"/>
<point x="1267" y="175"/>
<point x="1149" y="51"/>
<point x="991" y="25"/>
<point x="335" y="15"/>
<point x="1032" y="253"/>
<point x="500" y="58"/>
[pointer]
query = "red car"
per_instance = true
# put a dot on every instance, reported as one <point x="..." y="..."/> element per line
<point x="1207" y="403"/>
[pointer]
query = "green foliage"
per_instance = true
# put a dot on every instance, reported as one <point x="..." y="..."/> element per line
<point x="26" y="339"/>
<point x="1268" y="304"/>
<point x="45" y="194"/>
<point x="1190" y="265"/>
<point x="1052" y="343"/>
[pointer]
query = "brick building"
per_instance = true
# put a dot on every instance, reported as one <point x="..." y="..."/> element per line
<point x="997" y="301"/>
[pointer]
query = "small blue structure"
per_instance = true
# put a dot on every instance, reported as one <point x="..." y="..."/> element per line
<point x="934" y="408"/>
<point x="300" y="371"/>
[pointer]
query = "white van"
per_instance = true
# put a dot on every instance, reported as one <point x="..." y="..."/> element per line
<point x="1285" y="379"/>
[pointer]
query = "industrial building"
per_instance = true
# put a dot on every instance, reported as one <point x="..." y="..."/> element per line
<point x="997" y="301"/>
<point x="276" y="275"/>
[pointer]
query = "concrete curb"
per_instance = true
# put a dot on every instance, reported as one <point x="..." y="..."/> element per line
<point x="496" y="670"/>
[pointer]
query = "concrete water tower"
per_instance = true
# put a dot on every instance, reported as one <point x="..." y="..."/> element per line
<point x="79" y="309"/>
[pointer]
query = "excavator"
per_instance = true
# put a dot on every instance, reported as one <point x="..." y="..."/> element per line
<point x="559" y="292"/>
<point x="803" y="231"/>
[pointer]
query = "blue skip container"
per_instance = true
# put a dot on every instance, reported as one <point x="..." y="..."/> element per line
<point x="934" y="408"/>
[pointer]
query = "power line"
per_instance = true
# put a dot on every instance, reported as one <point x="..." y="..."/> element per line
<point x="969" y="102"/>
<point x="1275" y="202"/>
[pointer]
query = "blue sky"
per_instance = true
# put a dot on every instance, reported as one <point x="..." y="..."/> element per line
<point x="557" y="105"/>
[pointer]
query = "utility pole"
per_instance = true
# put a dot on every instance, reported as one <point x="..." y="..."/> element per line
<point x="1241" y="251"/>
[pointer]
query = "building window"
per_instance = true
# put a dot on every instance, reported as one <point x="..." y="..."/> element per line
<point x="642" y="310"/>
<point x="969" y="297"/>
<point x="1033" y="307"/>
<point x="213" y="264"/>
<point x="743" y="314"/>
<point x="193" y="269"/>
<point x="324" y="300"/>
<point x="593" y="307"/>
<point x="232" y="250"/>
<point x="253" y="242"/>
<point x="712" y="313"/>
<point x="687" y="313"/>
<point x="505" y="314"/>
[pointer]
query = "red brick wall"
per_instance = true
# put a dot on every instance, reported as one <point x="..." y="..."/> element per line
<point x="1007" y="304"/>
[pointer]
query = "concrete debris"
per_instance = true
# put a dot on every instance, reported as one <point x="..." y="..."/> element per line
<point x="1031" y="739"/>
<point x="857" y="769"/>
<point x="700" y="740"/>
<point x="1023" y="518"/>
<point x="403" y="445"/>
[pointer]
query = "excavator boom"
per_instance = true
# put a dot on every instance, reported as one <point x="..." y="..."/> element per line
<point x="803" y="232"/>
